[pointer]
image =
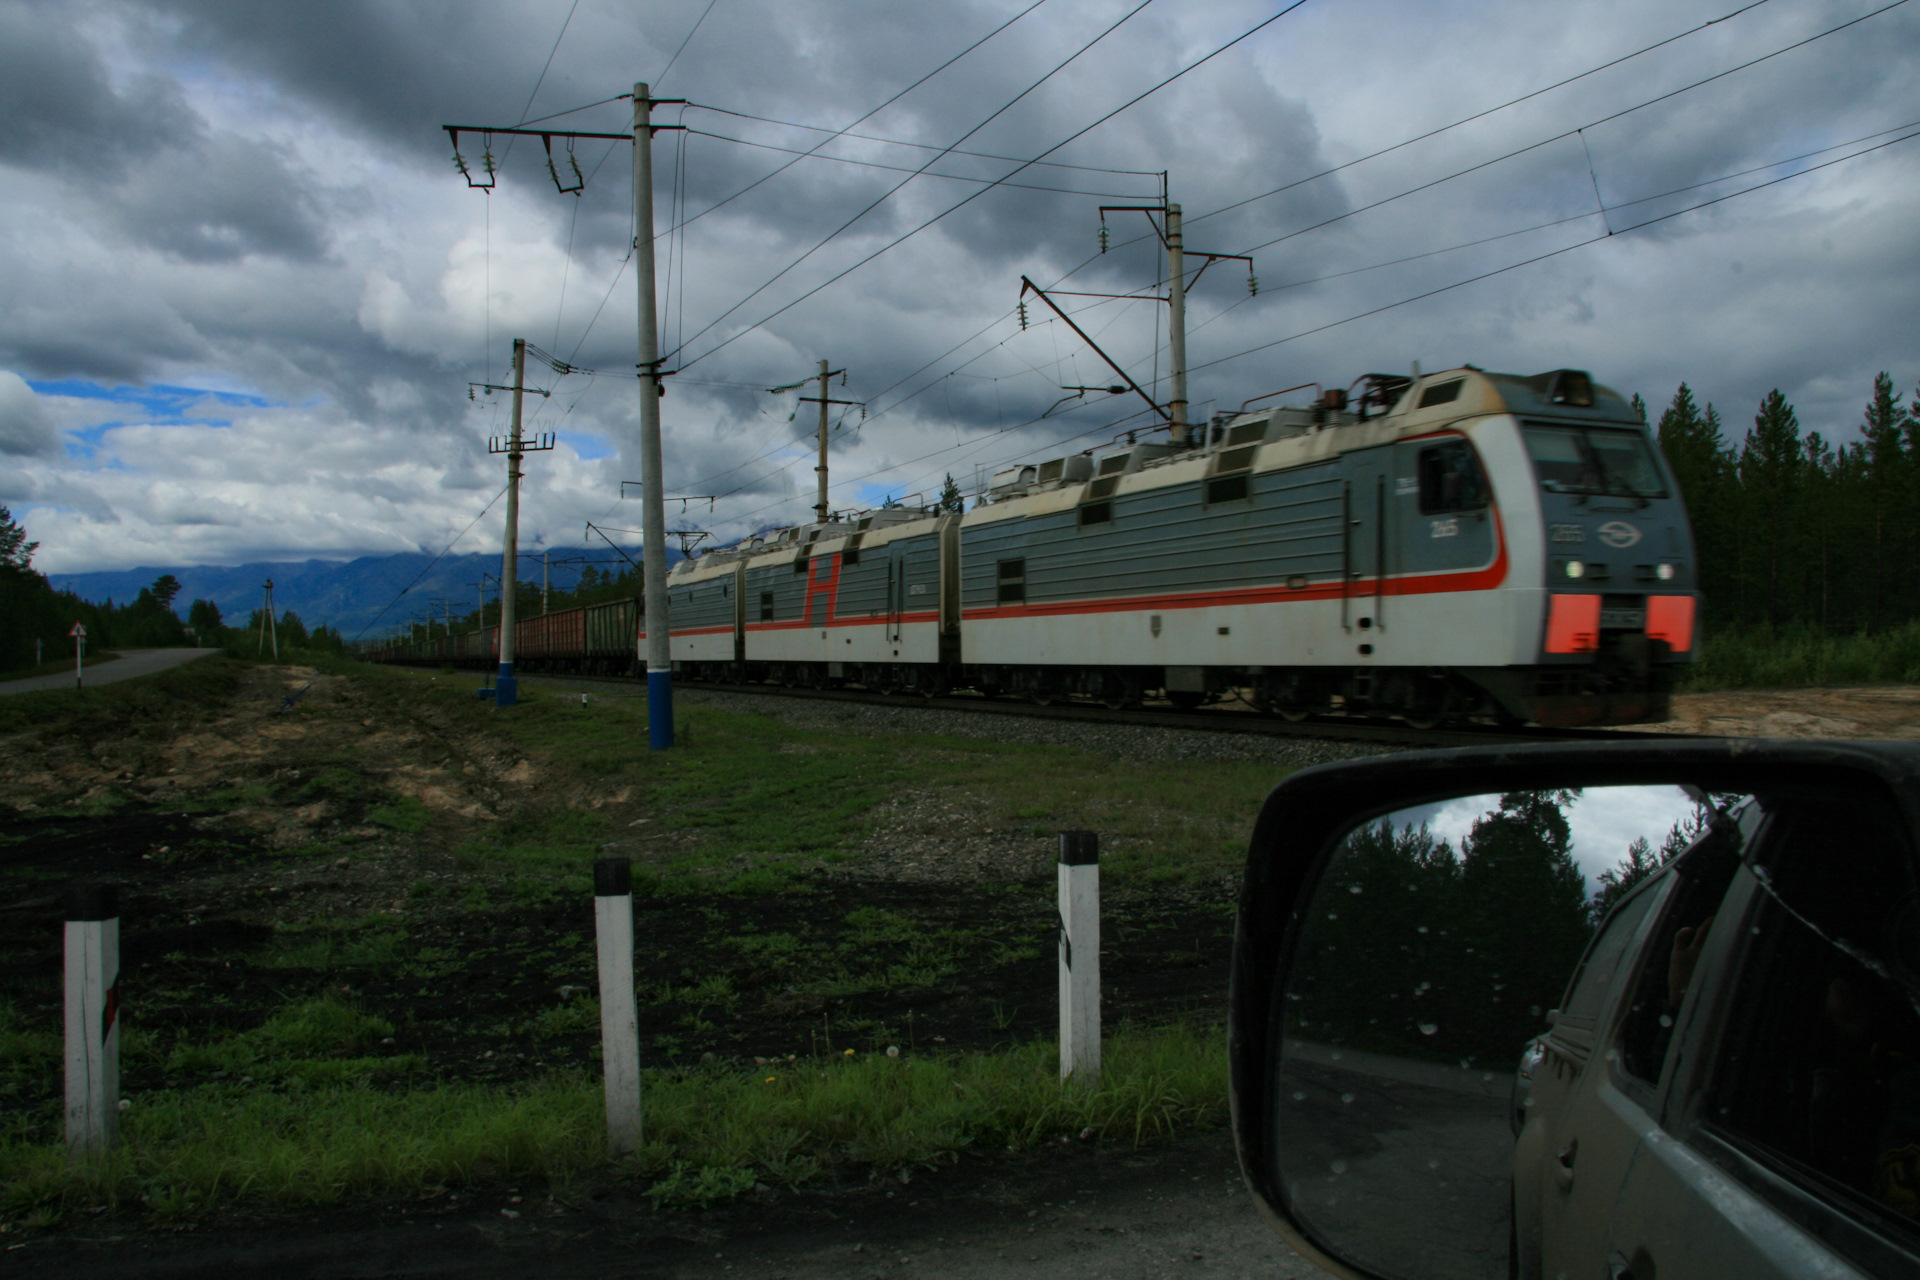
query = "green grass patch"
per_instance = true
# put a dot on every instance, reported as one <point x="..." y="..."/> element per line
<point x="710" y="1133"/>
<point x="1764" y="657"/>
<point x="123" y="708"/>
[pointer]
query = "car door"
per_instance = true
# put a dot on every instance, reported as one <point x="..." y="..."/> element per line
<point x="1581" y="1129"/>
<point x="1794" y="1131"/>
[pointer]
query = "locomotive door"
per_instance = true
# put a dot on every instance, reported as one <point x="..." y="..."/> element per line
<point x="1368" y="539"/>
<point x="896" y="587"/>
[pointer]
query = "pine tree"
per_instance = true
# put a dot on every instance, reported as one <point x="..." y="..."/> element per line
<point x="1771" y="471"/>
<point x="950" y="497"/>
<point x="1886" y="475"/>
<point x="1702" y="462"/>
<point x="15" y="551"/>
<point x="165" y="588"/>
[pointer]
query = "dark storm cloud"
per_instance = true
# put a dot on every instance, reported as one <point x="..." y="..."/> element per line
<point x="218" y="199"/>
<point x="62" y="109"/>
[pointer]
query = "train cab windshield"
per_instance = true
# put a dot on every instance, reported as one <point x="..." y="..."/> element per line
<point x="1594" y="460"/>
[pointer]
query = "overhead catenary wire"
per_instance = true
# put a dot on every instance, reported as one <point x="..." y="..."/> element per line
<point x="1574" y="132"/>
<point x="868" y="116"/>
<point x="897" y="168"/>
<point x="697" y="22"/>
<point x="1616" y="233"/>
<point x="436" y="560"/>
<point x="1131" y="102"/>
<point x="995" y="114"/>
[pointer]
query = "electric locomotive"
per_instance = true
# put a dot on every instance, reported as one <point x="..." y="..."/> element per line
<point x="1457" y="545"/>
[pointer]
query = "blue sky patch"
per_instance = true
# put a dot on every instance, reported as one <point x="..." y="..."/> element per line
<point x="588" y="447"/>
<point x="159" y="402"/>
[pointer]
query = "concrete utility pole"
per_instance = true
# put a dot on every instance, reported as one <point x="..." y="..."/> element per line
<point x="820" y="508"/>
<point x="506" y="690"/>
<point x="820" y="472"/>
<point x="653" y="510"/>
<point x="1177" y="325"/>
<point x="546" y="579"/>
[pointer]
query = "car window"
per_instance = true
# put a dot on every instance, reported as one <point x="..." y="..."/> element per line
<point x="1591" y="982"/>
<point x="1703" y="875"/>
<point x="1819" y="1075"/>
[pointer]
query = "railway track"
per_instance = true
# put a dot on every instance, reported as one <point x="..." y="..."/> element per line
<point x="1380" y="732"/>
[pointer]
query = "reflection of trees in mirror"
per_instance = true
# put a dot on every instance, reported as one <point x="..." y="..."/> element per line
<point x="1641" y="862"/>
<point x="1416" y="951"/>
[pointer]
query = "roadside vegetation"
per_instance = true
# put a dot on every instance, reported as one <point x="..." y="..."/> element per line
<point x="359" y="959"/>
<point x="1802" y="656"/>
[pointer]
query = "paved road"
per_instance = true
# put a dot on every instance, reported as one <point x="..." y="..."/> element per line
<point x="1173" y="1210"/>
<point x="132" y="662"/>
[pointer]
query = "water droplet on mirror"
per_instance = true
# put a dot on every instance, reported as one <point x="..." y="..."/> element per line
<point x="1346" y="1097"/>
<point x="1333" y="915"/>
<point x="1421" y="929"/>
<point x="1353" y="888"/>
<point x="1666" y="1019"/>
<point x="1299" y="1097"/>
<point x="1433" y="1164"/>
<point x="1339" y="1166"/>
<point x="1428" y="1028"/>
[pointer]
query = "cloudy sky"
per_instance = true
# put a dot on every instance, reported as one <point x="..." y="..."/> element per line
<point x="246" y="290"/>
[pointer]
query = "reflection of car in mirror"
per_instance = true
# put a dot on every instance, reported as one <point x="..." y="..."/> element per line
<point x="1450" y="1060"/>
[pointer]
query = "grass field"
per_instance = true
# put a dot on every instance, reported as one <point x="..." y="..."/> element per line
<point x="359" y="955"/>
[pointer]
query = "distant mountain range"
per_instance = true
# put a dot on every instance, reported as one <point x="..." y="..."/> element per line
<point x="345" y="595"/>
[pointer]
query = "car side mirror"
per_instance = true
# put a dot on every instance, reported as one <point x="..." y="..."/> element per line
<point x="1408" y="930"/>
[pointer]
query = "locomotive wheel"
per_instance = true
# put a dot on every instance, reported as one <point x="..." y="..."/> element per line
<point x="1293" y="715"/>
<point x="1422" y="722"/>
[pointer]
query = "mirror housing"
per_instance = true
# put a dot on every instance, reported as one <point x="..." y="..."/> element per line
<point x="1311" y="811"/>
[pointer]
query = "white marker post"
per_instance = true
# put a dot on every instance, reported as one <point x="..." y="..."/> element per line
<point x="619" y="1014"/>
<point x="92" y="1021"/>
<point x="1080" y="956"/>
<point x="79" y="634"/>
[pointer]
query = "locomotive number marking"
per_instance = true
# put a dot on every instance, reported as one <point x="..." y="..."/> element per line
<point x="1403" y="485"/>
<point x="1447" y="528"/>
<point x="1569" y="533"/>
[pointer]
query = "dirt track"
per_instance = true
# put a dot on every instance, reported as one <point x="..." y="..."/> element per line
<point x="1866" y="711"/>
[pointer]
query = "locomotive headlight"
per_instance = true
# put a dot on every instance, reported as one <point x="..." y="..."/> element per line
<point x="1574" y="568"/>
<point x="1665" y="571"/>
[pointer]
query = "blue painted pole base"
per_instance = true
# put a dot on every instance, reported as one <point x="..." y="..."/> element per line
<point x="660" y="710"/>
<point x="506" y="689"/>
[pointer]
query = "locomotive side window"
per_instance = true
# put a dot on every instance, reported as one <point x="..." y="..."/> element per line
<point x="766" y="606"/>
<point x="1227" y="489"/>
<point x="1013" y="581"/>
<point x="1451" y="479"/>
<point x="1096" y="513"/>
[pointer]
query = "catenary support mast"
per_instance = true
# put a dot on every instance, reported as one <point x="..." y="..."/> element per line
<point x="506" y="688"/>
<point x="653" y="515"/>
<point x="1177" y="325"/>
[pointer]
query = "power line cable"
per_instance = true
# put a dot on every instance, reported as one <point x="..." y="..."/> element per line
<point x="1555" y="252"/>
<point x="1569" y="133"/>
<point x="899" y="168"/>
<point x="1481" y="115"/>
<point x="868" y="116"/>
<point x="423" y="573"/>
<point x="661" y="78"/>
<point x="922" y="146"/>
<point x="997" y="112"/>
<point x="983" y="190"/>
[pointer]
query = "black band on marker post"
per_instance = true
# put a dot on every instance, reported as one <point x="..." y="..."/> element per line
<point x="612" y="877"/>
<point x="93" y="902"/>
<point x="1079" y="849"/>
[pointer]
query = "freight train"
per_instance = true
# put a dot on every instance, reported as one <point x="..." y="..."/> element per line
<point x="1459" y="545"/>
